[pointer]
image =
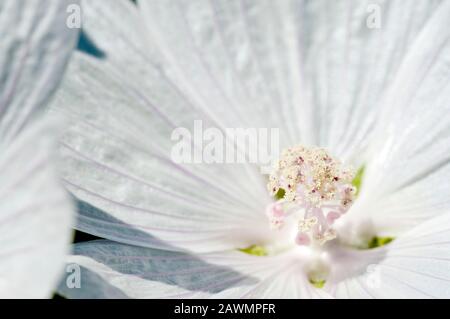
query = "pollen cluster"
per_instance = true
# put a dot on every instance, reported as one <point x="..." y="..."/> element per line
<point x="316" y="185"/>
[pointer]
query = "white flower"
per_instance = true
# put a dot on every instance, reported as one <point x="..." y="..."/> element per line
<point x="373" y="97"/>
<point x="36" y="214"/>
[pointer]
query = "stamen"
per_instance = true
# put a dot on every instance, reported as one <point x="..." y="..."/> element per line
<point x="276" y="215"/>
<point x="313" y="184"/>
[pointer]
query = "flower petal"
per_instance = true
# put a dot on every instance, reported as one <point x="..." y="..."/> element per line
<point x="36" y="215"/>
<point x="124" y="107"/>
<point x="36" y="45"/>
<point x="110" y="269"/>
<point x="349" y="63"/>
<point x="243" y="54"/>
<point x="406" y="181"/>
<point x="415" y="265"/>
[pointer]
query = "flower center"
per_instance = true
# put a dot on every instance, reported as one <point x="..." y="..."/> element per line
<point x="312" y="187"/>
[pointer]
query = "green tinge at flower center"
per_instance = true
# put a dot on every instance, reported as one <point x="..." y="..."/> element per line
<point x="255" y="250"/>
<point x="317" y="283"/>
<point x="379" y="242"/>
<point x="357" y="181"/>
<point x="375" y="242"/>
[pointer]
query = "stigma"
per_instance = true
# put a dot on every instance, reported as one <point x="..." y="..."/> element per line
<point x="317" y="190"/>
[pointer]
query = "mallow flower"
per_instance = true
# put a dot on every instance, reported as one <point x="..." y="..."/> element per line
<point x="36" y="214"/>
<point x="357" y="203"/>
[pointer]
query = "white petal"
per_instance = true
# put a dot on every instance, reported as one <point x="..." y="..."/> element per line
<point x="406" y="181"/>
<point x="349" y="64"/>
<point x="36" y="216"/>
<point x="239" y="58"/>
<point x="416" y="265"/>
<point x="110" y="269"/>
<point x="124" y="107"/>
<point x="36" y="44"/>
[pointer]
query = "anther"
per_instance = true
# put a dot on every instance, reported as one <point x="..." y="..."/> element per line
<point x="315" y="185"/>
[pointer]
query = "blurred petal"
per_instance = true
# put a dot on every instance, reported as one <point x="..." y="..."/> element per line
<point x="34" y="50"/>
<point x="36" y="215"/>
